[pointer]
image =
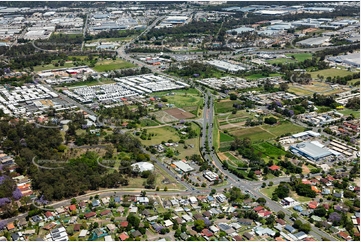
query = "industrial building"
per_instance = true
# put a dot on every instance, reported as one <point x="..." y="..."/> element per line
<point x="240" y="30"/>
<point x="143" y="166"/>
<point x="350" y="59"/>
<point x="225" y="66"/>
<point x="310" y="151"/>
<point x="312" y="42"/>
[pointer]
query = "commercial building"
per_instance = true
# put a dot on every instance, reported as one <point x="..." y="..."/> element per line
<point x="182" y="166"/>
<point x="310" y="151"/>
<point x="350" y="59"/>
<point x="210" y="176"/>
<point x="312" y="42"/>
<point x="240" y="30"/>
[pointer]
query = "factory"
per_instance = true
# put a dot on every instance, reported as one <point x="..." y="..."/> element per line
<point x="310" y="151"/>
<point x="240" y="30"/>
<point x="225" y="66"/>
<point x="313" y="42"/>
<point x="350" y="59"/>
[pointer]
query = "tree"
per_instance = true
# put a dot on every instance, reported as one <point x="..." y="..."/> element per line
<point x="232" y="96"/>
<point x="199" y="225"/>
<point x="281" y="215"/>
<point x="261" y="200"/>
<point x="305" y="227"/>
<point x="283" y="86"/>
<point x="165" y="188"/>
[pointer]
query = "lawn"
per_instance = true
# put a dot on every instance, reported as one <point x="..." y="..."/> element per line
<point x="224" y="107"/>
<point x="215" y="133"/>
<point x="269" y="150"/>
<point x="330" y="73"/>
<point x="300" y="91"/>
<point x="284" y="128"/>
<point x="347" y="112"/>
<point x="353" y="81"/>
<point x="108" y="65"/>
<point x="281" y="60"/>
<point x="148" y="122"/>
<point x="225" y="137"/>
<point x="268" y="190"/>
<point x="189" y="150"/>
<point x="161" y="134"/>
<point x="300" y="56"/>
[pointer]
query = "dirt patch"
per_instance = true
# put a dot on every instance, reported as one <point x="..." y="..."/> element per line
<point x="179" y="113"/>
<point x="305" y="169"/>
<point x="164" y="117"/>
<point x="222" y="156"/>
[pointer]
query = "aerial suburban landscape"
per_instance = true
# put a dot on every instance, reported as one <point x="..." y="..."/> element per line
<point x="180" y="121"/>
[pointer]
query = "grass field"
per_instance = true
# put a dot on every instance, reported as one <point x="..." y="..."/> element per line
<point x="300" y="56"/>
<point x="266" y="132"/>
<point x="121" y="39"/>
<point x="300" y="91"/>
<point x="108" y="65"/>
<point x="353" y="81"/>
<point x="224" y="107"/>
<point x="161" y="134"/>
<point x="225" y="137"/>
<point x="347" y="111"/>
<point x="268" y="190"/>
<point x="330" y="73"/>
<point x="269" y="150"/>
<point x="51" y="66"/>
<point x="190" y="100"/>
<point x="215" y="134"/>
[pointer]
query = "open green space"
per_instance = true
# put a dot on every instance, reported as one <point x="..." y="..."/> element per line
<point x="120" y="39"/>
<point x="353" y="81"/>
<point x="224" y="107"/>
<point x="300" y="56"/>
<point x="283" y="128"/>
<point x="346" y="111"/>
<point x="300" y="91"/>
<point x="188" y="99"/>
<point x="225" y="137"/>
<point x="148" y="122"/>
<point x="258" y="76"/>
<point x="332" y="72"/>
<point x="268" y="190"/>
<point x="269" y="150"/>
<point x="215" y="134"/>
<point x="52" y="66"/>
<point x="161" y="134"/>
<point x="109" y="65"/>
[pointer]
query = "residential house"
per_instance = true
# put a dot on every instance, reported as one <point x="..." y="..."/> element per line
<point x="72" y="208"/>
<point x="168" y="223"/>
<point x="105" y="212"/>
<point x="244" y="221"/>
<point x="300" y="235"/>
<point x="124" y="224"/>
<point x="298" y="208"/>
<point x="136" y="234"/>
<point x="312" y="204"/>
<point x="214" y="229"/>
<point x="264" y="231"/>
<point x="290" y="229"/>
<point x="111" y="227"/>
<point x="77" y="227"/>
<point x="248" y="236"/>
<point x="123" y="236"/>
<point x="207" y="232"/>
<point x="281" y="222"/>
<point x="237" y="238"/>
<point x="344" y="235"/>
<point x="90" y="215"/>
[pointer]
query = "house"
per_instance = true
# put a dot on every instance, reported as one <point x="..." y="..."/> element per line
<point x="72" y="208"/>
<point x="274" y="168"/>
<point x="235" y="226"/>
<point x="95" y="203"/>
<point x="105" y="212"/>
<point x="193" y="200"/>
<point x="157" y="227"/>
<point x="312" y="204"/>
<point x="206" y="214"/>
<point x="281" y="221"/>
<point x="298" y="208"/>
<point x="184" y="236"/>
<point x="187" y="218"/>
<point x="214" y="229"/>
<point x="344" y="235"/>
<point x="133" y="210"/>
<point x="248" y="235"/>
<point x="90" y="215"/>
<point x="316" y="218"/>
<point x="258" y="173"/>
<point x="143" y="200"/>
<point x="49" y="214"/>
<point x="300" y="235"/>
<point x="290" y="229"/>
<point x="207" y="232"/>
<point x="136" y="234"/>
<point x="258" y="208"/>
<point x="77" y="227"/>
<point x="244" y="221"/>
<point x="111" y="227"/>
<point x="117" y="199"/>
<point x="264" y="231"/>
<point x="168" y="223"/>
<point x="10" y="226"/>
<point x="124" y="224"/>
<point x="123" y="236"/>
<point x="237" y="238"/>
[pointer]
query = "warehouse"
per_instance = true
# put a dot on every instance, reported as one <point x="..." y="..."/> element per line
<point x="240" y="30"/>
<point x="311" y="42"/>
<point x="310" y="151"/>
<point x="350" y="59"/>
<point x="225" y="66"/>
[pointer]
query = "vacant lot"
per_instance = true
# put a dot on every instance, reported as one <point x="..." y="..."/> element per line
<point x="109" y="65"/>
<point x="269" y="150"/>
<point x="224" y="107"/>
<point x="268" y="191"/>
<point x="346" y="111"/>
<point x="164" y="117"/>
<point x="225" y="137"/>
<point x="258" y="76"/>
<point x="179" y="113"/>
<point x="266" y="132"/>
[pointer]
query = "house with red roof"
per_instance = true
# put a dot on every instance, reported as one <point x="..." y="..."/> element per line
<point x="123" y="236"/>
<point x="258" y="208"/>
<point x="105" y="212"/>
<point x="344" y="235"/>
<point x="264" y="213"/>
<point x="72" y="207"/>
<point x="312" y="204"/>
<point x="123" y="224"/>
<point x="305" y="181"/>
<point x="48" y="214"/>
<point x="207" y="232"/>
<point x="274" y="168"/>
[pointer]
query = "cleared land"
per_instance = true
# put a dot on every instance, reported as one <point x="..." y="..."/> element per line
<point x="224" y="107"/>
<point x="266" y="132"/>
<point x="179" y="113"/>
<point x="269" y="150"/>
<point x="225" y="137"/>
<point x="161" y="134"/>
<point x="258" y="76"/>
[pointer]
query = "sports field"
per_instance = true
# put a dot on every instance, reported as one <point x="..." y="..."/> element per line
<point x="332" y="72"/>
